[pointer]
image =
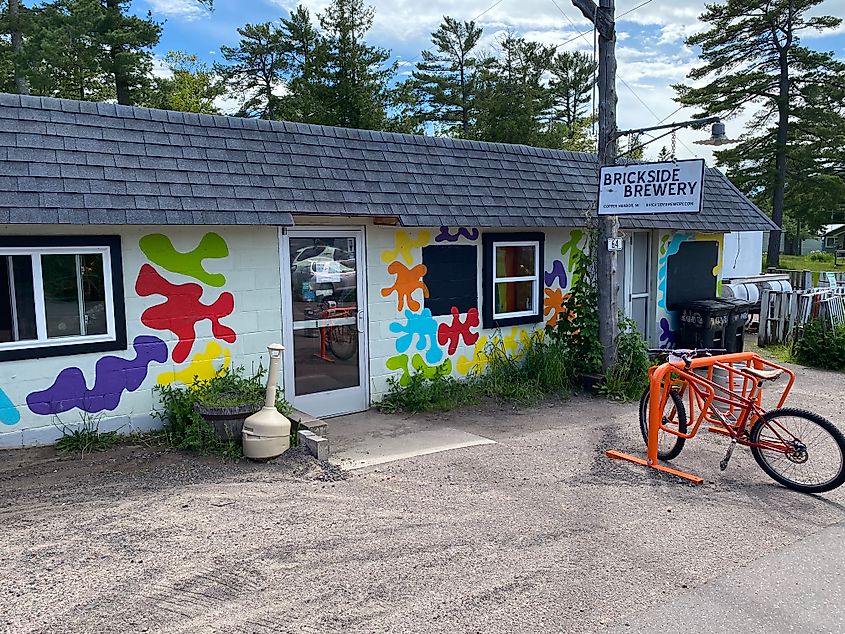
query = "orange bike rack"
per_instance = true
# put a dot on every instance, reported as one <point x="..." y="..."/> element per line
<point x="659" y="386"/>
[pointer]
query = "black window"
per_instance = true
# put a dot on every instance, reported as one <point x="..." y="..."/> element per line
<point x="451" y="278"/>
<point x="60" y="295"/>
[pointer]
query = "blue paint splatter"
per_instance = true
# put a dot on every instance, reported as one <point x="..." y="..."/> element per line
<point x="424" y="327"/>
<point x="9" y="414"/>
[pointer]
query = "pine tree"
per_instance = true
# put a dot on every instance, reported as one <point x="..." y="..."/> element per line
<point x="356" y="75"/>
<point x="754" y="59"/>
<point x="572" y="86"/>
<point x="128" y="41"/>
<point x="303" y="53"/>
<point x="664" y="155"/>
<point x="446" y="78"/>
<point x="256" y="70"/>
<point x="515" y="105"/>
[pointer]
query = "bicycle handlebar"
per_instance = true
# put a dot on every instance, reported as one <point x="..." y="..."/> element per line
<point x="687" y="354"/>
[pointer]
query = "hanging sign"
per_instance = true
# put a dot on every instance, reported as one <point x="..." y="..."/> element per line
<point x="651" y="188"/>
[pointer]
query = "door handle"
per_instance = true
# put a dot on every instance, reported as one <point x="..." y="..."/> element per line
<point x="361" y="321"/>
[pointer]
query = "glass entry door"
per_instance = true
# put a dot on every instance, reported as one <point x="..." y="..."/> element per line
<point x="324" y="319"/>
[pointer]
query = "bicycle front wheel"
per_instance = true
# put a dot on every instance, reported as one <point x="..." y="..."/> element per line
<point x="343" y="342"/>
<point x="799" y="449"/>
<point x="674" y="417"/>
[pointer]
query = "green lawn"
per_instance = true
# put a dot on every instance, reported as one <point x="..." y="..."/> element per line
<point x="804" y="263"/>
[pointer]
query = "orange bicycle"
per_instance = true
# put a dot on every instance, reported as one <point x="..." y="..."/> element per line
<point x="797" y="448"/>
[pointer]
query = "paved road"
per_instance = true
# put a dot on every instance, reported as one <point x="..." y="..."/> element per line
<point x="799" y="588"/>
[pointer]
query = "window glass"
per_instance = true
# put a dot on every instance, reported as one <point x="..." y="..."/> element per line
<point x="515" y="261"/>
<point x="514" y="297"/>
<point x="93" y="294"/>
<point x="61" y="295"/>
<point x="17" y="303"/>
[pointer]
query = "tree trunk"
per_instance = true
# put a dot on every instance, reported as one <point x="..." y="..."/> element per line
<point x="121" y="81"/>
<point x="21" y="84"/>
<point x="773" y="256"/>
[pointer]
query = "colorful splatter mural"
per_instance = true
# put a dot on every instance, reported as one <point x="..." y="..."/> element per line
<point x="455" y="342"/>
<point x="407" y="282"/>
<point x="400" y="363"/>
<point x="9" y="414"/>
<point x="112" y="377"/>
<point x="454" y="332"/>
<point x="405" y="246"/>
<point x="160" y="251"/>
<point x="203" y="365"/>
<point x="557" y="274"/>
<point x="669" y="246"/>
<point x="422" y="327"/>
<point x="182" y="310"/>
<point x="446" y="234"/>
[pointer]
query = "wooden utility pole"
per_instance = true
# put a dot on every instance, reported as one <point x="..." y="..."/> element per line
<point x="603" y="17"/>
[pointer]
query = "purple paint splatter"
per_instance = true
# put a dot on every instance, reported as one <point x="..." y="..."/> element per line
<point x="112" y="376"/>
<point x="558" y="273"/>
<point x="446" y="234"/>
<point x="667" y="335"/>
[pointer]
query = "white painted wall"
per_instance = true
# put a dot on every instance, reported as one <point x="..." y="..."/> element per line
<point x="743" y="255"/>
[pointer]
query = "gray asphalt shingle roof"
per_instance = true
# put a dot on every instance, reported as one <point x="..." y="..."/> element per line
<point x="64" y="161"/>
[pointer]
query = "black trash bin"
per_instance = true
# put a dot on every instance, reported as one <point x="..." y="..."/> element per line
<point x="703" y="323"/>
<point x="735" y="328"/>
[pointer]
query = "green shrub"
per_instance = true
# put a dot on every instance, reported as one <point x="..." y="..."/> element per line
<point x="186" y="429"/>
<point x="821" y="346"/>
<point x="628" y="377"/>
<point x="577" y="330"/>
<point x="820" y="256"/>
<point x="540" y="369"/>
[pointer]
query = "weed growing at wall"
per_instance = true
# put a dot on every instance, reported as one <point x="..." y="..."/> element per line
<point x="85" y="438"/>
<point x="821" y="346"/>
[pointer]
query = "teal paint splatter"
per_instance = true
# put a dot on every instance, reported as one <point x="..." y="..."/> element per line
<point x="9" y="414"/>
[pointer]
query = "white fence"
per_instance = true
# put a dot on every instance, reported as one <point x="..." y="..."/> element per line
<point x="782" y="313"/>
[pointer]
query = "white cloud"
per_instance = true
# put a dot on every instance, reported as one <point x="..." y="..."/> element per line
<point x="184" y="9"/>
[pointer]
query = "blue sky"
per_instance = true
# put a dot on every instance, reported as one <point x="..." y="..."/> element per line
<point x="650" y="50"/>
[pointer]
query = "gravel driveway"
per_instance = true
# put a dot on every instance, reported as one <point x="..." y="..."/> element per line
<point x="539" y="532"/>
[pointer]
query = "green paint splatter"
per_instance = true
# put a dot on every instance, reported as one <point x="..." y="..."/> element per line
<point x="570" y="249"/>
<point x="400" y="362"/>
<point x="160" y="250"/>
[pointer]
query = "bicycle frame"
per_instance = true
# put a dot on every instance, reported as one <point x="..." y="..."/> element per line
<point x="742" y="408"/>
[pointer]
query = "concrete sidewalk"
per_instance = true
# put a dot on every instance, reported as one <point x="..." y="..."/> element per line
<point x="798" y="588"/>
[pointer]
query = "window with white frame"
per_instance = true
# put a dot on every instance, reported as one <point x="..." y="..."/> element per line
<point x="58" y="296"/>
<point x="512" y="278"/>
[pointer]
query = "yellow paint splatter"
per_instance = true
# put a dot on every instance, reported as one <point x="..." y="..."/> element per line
<point x="479" y="359"/>
<point x="202" y="366"/>
<point x="404" y="247"/>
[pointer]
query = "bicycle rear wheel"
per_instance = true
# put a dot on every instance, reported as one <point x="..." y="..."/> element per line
<point x="802" y="450"/>
<point x="343" y="341"/>
<point x="674" y="416"/>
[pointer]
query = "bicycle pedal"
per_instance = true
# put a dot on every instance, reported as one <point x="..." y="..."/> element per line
<point x="724" y="464"/>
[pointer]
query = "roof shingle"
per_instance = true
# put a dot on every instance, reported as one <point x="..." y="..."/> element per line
<point x="76" y="162"/>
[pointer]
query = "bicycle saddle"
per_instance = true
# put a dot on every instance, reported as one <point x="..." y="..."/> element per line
<point x="763" y="375"/>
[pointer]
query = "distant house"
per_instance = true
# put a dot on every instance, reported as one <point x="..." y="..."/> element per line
<point x="834" y="238"/>
<point x="142" y="247"/>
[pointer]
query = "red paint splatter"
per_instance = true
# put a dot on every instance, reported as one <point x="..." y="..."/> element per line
<point x="457" y="330"/>
<point x="182" y="310"/>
